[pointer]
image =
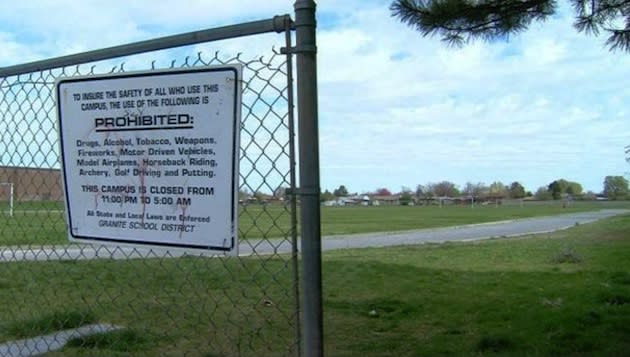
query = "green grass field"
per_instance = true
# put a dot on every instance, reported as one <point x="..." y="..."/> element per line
<point x="348" y="220"/>
<point x="560" y="294"/>
<point x="43" y="223"/>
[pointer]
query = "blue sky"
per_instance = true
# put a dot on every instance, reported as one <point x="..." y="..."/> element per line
<point x="397" y="109"/>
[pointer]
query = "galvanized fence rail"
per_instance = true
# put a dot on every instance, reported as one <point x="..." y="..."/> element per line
<point x="77" y="299"/>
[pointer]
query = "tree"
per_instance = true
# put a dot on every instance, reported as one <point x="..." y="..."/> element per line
<point x="406" y="196"/>
<point x="421" y="191"/>
<point x="383" y="192"/>
<point x="281" y="192"/>
<point x="445" y="189"/>
<point x="574" y="189"/>
<point x="559" y="188"/>
<point x="429" y="190"/>
<point x="243" y="194"/>
<point x="461" y="21"/>
<point x="259" y="196"/>
<point x="474" y="189"/>
<point x="543" y="194"/>
<point x="342" y="191"/>
<point x="616" y="187"/>
<point x="589" y="196"/>
<point x="497" y="190"/>
<point x="516" y="190"/>
<point x="326" y="196"/>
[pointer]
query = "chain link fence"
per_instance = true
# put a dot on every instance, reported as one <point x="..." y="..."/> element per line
<point x="62" y="299"/>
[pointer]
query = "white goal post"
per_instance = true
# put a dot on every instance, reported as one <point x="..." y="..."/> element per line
<point x="10" y="186"/>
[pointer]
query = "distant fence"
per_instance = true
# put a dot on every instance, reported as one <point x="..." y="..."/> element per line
<point x="137" y="300"/>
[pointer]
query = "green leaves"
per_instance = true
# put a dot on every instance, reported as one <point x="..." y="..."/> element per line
<point x="460" y="21"/>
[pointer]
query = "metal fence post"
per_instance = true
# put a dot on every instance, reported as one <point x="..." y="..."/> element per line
<point x="308" y="138"/>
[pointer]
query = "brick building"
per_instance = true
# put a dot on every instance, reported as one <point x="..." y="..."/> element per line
<point x="33" y="184"/>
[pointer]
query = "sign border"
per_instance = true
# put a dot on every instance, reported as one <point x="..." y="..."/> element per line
<point x="237" y="70"/>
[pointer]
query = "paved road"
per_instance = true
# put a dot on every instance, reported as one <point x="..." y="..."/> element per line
<point x="472" y="232"/>
<point x="502" y="229"/>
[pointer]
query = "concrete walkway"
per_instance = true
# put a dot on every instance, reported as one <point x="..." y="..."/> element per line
<point x="47" y="343"/>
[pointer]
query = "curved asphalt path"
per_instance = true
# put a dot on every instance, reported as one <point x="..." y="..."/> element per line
<point x="503" y="229"/>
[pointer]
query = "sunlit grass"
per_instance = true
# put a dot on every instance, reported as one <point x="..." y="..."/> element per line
<point x="503" y="297"/>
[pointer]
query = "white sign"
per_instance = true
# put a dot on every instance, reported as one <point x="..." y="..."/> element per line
<point x="152" y="157"/>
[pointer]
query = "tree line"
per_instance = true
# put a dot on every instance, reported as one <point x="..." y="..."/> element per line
<point x="614" y="188"/>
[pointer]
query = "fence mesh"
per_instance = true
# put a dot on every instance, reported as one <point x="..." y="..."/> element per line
<point x="79" y="299"/>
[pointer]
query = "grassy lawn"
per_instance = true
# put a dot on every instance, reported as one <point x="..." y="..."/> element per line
<point x="560" y="294"/>
<point x="43" y="223"/>
<point x="187" y="306"/>
<point x="347" y="220"/>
